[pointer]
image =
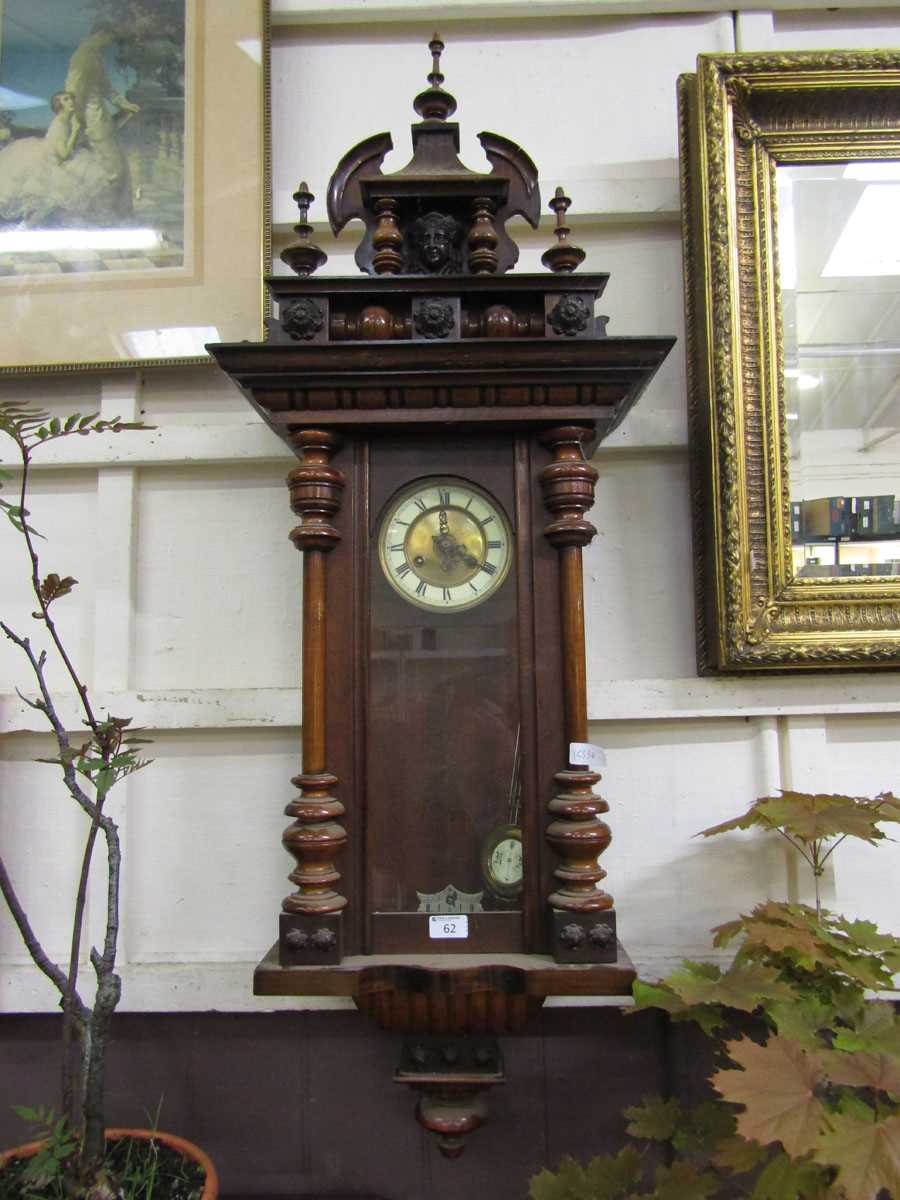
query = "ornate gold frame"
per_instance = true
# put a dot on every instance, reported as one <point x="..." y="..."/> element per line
<point x="740" y="115"/>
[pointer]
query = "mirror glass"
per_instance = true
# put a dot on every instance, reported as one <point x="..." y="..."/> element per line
<point x="839" y="264"/>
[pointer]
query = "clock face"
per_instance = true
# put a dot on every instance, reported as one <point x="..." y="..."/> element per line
<point x="506" y="861"/>
<point x="444" y="544"/>
<point x="501" y="859"/>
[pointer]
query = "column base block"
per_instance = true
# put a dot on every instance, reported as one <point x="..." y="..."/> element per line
<point x="309" y="940"/>
<point x="583" y="937"/>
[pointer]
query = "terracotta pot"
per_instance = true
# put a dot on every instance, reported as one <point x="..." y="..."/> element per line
<point x="178" y="1144"/>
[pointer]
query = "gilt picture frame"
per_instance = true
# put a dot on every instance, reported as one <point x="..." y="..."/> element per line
<point x="788" y="579"/>
<point x="134" y="181"/>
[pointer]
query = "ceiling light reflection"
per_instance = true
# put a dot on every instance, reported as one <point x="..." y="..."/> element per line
<point x="804" y="381"/>
<point x="48" y="241"/>
<point x="869" y="244"/>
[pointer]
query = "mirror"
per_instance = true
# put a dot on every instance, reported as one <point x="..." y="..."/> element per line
<point x="791" y="212"/>
<point x="839" y="275"/>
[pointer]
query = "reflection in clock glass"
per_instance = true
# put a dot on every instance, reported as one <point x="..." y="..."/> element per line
<point x="443" y="694"/>
<point x="839" y="262"/>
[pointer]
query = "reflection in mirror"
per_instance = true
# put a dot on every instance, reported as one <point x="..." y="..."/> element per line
<point x="839" y="258"/>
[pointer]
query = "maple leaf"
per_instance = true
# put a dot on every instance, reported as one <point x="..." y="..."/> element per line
<point x="861" y="1069"/>
<point x="877" y="1032"/>
<point x="738" y="1155"/>
<point x="865" y="1152"/>
<point x="785" y="1178"/>
<point x="610" y="1177"/>
<point x="681" y="1181"/>
<point x="866" y="935"/>
<point x="801" y="1019"/>
<point x="777" y="1089"/>
<point x="811" y="817"/>
<point x="649" y="995"/>
<point x="654" y="1119"/>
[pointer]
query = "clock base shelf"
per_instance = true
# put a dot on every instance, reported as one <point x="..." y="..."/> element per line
<point x="459" y="993"/>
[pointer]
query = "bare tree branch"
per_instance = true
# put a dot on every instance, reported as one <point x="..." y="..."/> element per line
<point x="39" y="956"/>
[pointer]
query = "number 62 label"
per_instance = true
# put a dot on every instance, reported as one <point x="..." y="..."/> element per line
<point x="448" y="927"/>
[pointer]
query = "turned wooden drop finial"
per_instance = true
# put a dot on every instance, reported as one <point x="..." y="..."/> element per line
<point x="435" y="104"/>
<point x="303" y="256"/>
<point x="562" y="258"/>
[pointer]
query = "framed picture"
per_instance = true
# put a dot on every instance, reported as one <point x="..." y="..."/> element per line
<point x="791" y="197"/>
<point x="134" y="180"/>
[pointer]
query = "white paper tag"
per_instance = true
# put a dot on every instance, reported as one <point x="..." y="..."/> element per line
<point x="583" y="754"/>
<point x="448" y="927"/>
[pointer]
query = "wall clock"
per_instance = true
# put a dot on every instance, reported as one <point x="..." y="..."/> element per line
<point x="443" y="412"/>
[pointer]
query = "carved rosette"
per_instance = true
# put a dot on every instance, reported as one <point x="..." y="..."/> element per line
<point x="316" y="835"/>
<point x="576" y="833"/>
<point x="302" y="319"/>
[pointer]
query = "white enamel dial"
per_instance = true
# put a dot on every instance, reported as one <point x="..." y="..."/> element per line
<point x="444" y="544"/>
<point x="506" y="862"/>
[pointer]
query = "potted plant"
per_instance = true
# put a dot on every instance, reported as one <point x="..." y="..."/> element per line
<point x="71" y="1156"/>
<point x="805" y="1098"/>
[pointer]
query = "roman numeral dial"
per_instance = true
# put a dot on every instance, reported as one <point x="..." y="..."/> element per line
<point x="444" y="544"/>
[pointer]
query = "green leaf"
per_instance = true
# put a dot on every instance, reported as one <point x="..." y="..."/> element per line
<point x="610" y="1177"/>
<point x="681" y="1181"/>
<point x="55" y="427"/>
<point x="33" y="1115"/>
<point x="738" y="1155"/>
<point x="877" y="1033"/>
<point x="654" y="1119"/>
<point x="785" y="1178"/>
<point x="648" y="995"/>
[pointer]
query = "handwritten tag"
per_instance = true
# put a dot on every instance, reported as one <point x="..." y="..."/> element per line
<point x="583" y="754"/>
<point x="448" y="927"/>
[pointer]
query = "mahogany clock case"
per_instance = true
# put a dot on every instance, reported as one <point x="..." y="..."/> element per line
<point x="424" y="706"/>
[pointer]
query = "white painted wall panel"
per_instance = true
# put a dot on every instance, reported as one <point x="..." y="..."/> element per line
<point x="834" y="29"/>
<point x="670" y="887"/>
<point x="206" y="870"/>
<point x="63" y="509"/>
<point x="218" y="583"/>
<point x="864" y="753"/>
<point x="638" y="570"/>
<point x="41" y="835"/>
<point x="595" y="103"/>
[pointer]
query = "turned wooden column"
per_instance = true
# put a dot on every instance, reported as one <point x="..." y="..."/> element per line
<point x="576" y="833"/>
<point x="310" y="920"/>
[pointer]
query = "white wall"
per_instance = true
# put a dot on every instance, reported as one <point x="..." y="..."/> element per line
<point x="187" y="612"/>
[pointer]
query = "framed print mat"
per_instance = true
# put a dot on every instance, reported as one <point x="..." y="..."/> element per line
<point x="134" y="173"/>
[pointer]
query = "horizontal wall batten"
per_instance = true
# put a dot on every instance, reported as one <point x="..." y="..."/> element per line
<point x="335" y="12"/>
<point x="252" y="442"/>
<point x="608" y="700"/>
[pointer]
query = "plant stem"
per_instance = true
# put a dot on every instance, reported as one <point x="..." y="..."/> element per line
<point x="42" y="603"/>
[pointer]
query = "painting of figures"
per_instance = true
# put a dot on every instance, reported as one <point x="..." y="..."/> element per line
<point x="92" y="136"/>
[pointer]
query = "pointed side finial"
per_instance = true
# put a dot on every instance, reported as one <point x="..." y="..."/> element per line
<point x="435" y="104"/>
<point x="562" y="258"/>
<point x="303" y="256"/>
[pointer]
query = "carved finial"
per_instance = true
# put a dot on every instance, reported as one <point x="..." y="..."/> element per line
<point x="303" y="256"/>
<point x="562" y="258"/>
<point x="435" y="104"/>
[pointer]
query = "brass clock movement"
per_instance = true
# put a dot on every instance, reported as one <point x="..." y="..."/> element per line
<point x="443" y="411"/>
